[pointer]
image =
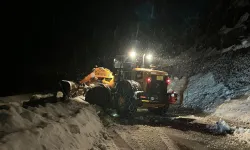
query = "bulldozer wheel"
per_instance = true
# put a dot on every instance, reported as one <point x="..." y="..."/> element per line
<point x="99" y="95"/>
<point x="125" y="102"/>
<point x="159" y="110"/>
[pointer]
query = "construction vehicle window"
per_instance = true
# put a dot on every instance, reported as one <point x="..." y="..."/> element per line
<point x="108" y="79"/>
<point x="127" y="75"/>
<point x="139" y="75"/>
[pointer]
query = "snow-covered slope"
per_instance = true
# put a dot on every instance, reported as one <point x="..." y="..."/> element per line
<point x="237" y="110"/>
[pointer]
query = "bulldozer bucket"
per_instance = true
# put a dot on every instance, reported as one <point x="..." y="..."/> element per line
<point x="69" y="88"/>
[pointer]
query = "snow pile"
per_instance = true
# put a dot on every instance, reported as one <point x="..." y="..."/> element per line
<point x="16" y="98"/>
<point x="242" y="134"/>
<point x="221" y="127"/>
<point x="41" y="96"/>
<point x="70" y="125"/>
<point x="237" y="110"/>
<point x="204" y="93"/>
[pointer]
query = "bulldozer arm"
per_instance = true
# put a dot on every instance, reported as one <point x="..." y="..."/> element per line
<point x="98" y="76"/>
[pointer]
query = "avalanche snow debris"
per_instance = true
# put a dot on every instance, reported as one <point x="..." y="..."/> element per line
<point x="236" y="110"/>
<point x="204" y="93"/>
<point x="220" y="127"/>
<point x="214" y="79"/>
<point x="242" y="134"/>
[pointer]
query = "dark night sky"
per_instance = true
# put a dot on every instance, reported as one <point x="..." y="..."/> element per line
<point x="46" y="36"/>
<point x="49" y="28"/>
<point x="52" y="28"/>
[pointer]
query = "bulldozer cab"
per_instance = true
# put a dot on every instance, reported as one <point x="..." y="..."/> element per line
<point x="122" y="68"/>
<point x="151" y="81"/>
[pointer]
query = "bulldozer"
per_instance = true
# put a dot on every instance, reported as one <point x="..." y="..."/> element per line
<point x="124" y="90"/>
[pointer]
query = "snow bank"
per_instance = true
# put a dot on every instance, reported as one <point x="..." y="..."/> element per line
<point x="242" y="134"/>
<point x="56" y="126"/>
<point x="16" y="98"/>
<point x="237" y="110"/>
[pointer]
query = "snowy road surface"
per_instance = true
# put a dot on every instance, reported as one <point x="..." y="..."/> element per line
<point x="170" y="133"/>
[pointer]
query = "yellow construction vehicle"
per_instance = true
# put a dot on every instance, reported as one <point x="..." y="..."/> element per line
<point x="126" y="90"/>
<point x="99" y="74"/>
